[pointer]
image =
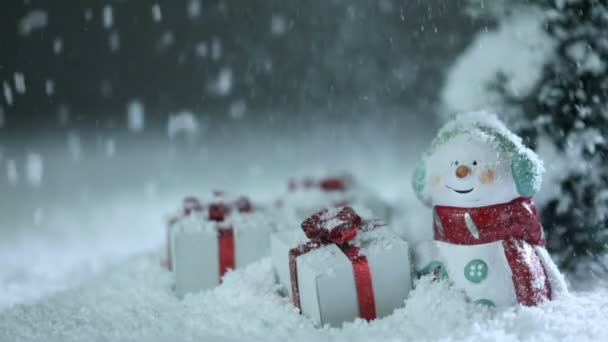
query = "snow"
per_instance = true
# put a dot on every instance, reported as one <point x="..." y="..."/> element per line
<point x="165" y="40"/>
<point x="278" y="25"/>
<point x="11" y="172"/>
<point x="63" y="114"/>
<point x="34" y="169"/>
<point x="92" y="273"/>
<point x="194" y="8"/>
<point x="585" y="57"/>
<point x="34" y="20"/>
<point x="135" y="299"/>
<point x="157" y="14"/>
<point x="19" y="83"/>
<point x="38" y="216"/>
<point x="74" y="146"/>
<point x="57" y="45"/>
<point x="8" y="93"/>
<point x="107" y="16"/>
<point x="223" y="84"/>
<point x="49" y="87"/>
<point x="182" y="123"/>
<point x="136" y="116"/>
<point x="88" y="14"/>
<point x="237" y="109"/>
<point x="216" y="49"/>
<point x="114" y="41"/>
<point x="201" y="49"/>
<point x="110" y="148"/>
<point x="99" y="268"/>
<point x="471" y="82"/>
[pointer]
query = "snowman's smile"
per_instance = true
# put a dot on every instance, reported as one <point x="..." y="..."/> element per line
<point x="460" y="191"/>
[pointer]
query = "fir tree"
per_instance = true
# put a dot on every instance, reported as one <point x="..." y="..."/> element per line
<point x="570" y="107"/>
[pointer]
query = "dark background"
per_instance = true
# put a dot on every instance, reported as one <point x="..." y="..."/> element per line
<point x="308" y="86"/>
<point x="332" y="56"/>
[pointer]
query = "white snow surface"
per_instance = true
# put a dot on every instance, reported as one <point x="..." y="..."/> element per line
<point x="135" y="300"/>
<point x="20" y="83"/>
<point x="57" y="45"/>
<point x="108" y="16"/>
<point x="8" y="93"/>
<point x="135" y="116"/>
<point x="112" y="288"/>
<point x="33" y="20"/>
<point x="157" y="13"/>
<point x="194" y="8"/>
<point x="49" y="87"/>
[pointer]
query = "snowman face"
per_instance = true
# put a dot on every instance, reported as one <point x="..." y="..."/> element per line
<point x="470" y="172"/>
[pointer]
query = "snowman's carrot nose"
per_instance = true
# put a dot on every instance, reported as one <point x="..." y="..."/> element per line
<point x="462" y="171"/>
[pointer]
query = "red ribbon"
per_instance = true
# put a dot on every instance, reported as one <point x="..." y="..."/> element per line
<point x="532" y="286"/>
<point x="315" y="229"/>
<point x="225" y="238"/>
<point x="216" y="212"/>
<point x="225" y="241"/>
<point x="333" y="183"/>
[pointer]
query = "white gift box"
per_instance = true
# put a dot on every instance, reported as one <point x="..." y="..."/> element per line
<point x="281" y="242"/>
<point x="195" y="248"/>
<point x="310" y="197"/>
<point x="280" y="245"/>
<point x="326" y="280"/>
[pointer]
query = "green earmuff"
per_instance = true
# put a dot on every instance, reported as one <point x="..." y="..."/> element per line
<point x="525" y="172"/>
<point x="419" y="180"/>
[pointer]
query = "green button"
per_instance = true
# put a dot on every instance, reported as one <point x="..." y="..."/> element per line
<point x="476" y="271"/>
<point x="485" y="302"/>
<point x="436" y="268"/>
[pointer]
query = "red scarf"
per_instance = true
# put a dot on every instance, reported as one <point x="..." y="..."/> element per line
<point x="517" y="225"/>
<point x="517" y="219"/>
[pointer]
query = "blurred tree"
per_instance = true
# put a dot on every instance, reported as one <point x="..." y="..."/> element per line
<point x="570" y="106"/>
<point x="566" y="107"/>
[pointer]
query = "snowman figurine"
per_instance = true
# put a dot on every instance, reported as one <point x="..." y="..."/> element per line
<point x="488" y="240"/>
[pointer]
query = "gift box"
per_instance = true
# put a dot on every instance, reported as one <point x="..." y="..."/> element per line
<point x="206" y="244"/>
<point x="190" y="204"/>
<point x="280" y="245"/>
<point x="309" y="195"/>
<point x="348" y="268"/>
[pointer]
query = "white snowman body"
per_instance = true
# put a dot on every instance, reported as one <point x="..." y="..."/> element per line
<point x="482" y="271"/>
<point x="468" y="169"/>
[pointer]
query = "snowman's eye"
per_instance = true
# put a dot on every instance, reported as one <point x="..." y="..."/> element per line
<point x="475" y="162"/>
<point x="456" y="163"/>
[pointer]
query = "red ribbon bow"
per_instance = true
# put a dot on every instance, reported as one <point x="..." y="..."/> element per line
<point x="217" y="211"/>
<point x="348" y="224"/>
<point x="333" y="183"/>
<point x="315" y="227"/>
